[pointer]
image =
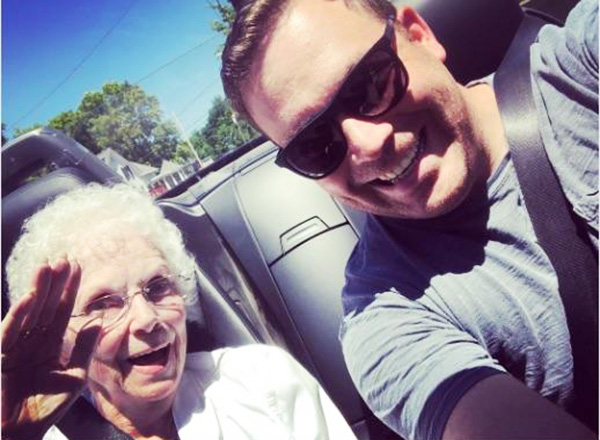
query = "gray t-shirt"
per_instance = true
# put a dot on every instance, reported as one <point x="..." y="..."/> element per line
<point x="434" y="306"/>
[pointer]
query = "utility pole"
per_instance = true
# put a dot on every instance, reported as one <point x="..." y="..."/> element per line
<point x="187" y="140"/>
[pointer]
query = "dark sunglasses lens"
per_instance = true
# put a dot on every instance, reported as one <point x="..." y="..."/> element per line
<point x="375" y="85"/>
<point x="316" y="152"/>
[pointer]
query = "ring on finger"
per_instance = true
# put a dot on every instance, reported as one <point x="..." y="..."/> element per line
<point x="29" y="333"/>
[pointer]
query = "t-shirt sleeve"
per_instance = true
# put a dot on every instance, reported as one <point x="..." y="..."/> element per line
<point x="411" y="365"/>
<point x="564" y="63"/>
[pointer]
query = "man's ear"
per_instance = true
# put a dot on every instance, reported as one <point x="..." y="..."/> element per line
<point x="419" y="31"/>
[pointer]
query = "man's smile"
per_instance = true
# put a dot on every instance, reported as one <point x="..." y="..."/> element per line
<point x="402" y="170"/>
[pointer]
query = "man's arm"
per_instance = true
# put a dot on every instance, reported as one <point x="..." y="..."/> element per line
<point x="501" y="407"/>
<point x="426" y="378"/>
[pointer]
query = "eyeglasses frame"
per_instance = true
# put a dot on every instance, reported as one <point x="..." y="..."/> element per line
<point x="129" y="298"/>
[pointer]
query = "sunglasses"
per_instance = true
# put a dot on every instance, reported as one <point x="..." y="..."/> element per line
<point x="374" y="86"/>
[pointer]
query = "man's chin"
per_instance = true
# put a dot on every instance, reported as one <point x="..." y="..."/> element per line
<point x="401" y="209"/>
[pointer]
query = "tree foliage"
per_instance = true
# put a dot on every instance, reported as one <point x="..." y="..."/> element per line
<point x="225" y="21"/>
<point x="222" y="132"/>
<point x="4" y="138"/>
<point x="123" y="117"/>
<point x="19" y="131"/>
<point x="227" y="14"/>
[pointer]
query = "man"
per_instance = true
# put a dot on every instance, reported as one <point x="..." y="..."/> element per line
<point x="450" y="303"/>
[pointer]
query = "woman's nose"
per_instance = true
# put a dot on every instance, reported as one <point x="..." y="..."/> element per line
<point x="142" y="313"/>
<point x="366" y="138"/>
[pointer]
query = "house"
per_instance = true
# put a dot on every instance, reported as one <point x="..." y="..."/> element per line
<point x="134" y="173"/>
<point x="171" y="175"/>
<point x="149" y="178"/>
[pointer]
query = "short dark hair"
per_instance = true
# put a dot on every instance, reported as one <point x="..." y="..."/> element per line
<point x="254" y="20"/>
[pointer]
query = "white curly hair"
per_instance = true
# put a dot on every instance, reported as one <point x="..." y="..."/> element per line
<point x="69" y="219"/>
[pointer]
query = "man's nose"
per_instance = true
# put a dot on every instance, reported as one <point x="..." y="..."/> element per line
<point x="366" y="138"/>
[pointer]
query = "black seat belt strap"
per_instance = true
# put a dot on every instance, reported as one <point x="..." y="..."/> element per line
<point x="558" y="231"/>
<point x="83" y="422"/>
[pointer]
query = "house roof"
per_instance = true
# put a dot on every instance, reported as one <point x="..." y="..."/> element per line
<point x="115" y="161"/>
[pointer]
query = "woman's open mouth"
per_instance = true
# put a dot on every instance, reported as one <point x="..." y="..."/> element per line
<point x="156" y="359"/>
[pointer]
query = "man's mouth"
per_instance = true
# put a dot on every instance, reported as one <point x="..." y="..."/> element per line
<point x="154" y="357"/>
<point x="401" y="170"/>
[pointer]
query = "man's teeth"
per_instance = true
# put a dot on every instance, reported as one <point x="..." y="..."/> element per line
<point x="404" y="165"/>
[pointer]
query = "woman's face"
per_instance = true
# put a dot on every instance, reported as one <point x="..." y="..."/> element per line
<point x="140" y="358"/>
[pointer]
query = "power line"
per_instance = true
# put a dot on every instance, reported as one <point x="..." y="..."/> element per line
<point x="195" y="98"/>
<point x="198" y="121"/>
<point x="78" y="66"/>
<point x="168" y="63"/>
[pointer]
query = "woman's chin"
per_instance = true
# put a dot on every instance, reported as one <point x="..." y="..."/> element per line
<point x="155" y="391"/>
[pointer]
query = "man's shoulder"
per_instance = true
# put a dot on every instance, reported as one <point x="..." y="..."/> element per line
<point x="564" y="65"/>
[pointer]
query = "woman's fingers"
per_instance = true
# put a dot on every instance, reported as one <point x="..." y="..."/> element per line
<point x="60" y="274"/>
<point x="41" y="284"/>
<point x="12" y="322"/>
<point x="67" y="300"/>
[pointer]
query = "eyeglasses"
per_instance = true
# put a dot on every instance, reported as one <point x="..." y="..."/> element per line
<point x="160" y="291"/>
<point x="375" y="85"/>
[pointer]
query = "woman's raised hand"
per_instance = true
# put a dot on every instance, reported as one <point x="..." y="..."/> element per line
<point x="38" y="383"/>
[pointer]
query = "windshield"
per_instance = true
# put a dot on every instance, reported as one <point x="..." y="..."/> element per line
<point x="136" y="82"/>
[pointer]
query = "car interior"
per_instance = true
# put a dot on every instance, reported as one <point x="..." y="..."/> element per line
<point x="272" y="246"/>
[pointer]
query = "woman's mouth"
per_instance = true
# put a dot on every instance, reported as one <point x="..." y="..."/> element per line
<point x="156" y="358"/>
<point x="405" y="166"/>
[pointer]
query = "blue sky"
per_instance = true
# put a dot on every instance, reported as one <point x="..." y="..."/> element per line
<point x="44" y="41"/>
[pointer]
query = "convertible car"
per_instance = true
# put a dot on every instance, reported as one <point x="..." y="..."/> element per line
<point x="272" y="246"/>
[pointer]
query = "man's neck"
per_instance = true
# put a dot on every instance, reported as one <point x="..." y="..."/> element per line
<point x="486" y="116"/>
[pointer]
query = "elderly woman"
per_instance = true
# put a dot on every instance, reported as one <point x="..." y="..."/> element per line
<point x="99" y="284"/>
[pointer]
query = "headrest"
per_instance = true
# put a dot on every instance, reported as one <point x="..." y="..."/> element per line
<point x="476" y="33"/>
<point x="29" y="155"/>
<point x="25" y="201"/>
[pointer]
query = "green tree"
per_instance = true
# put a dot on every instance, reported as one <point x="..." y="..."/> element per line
<point x="225" y="22"/>
<point x="19" y="131"/>
<point x="222" y="132"/>
<point x="123" y="117"/>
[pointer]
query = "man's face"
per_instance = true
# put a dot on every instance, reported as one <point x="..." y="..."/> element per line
<point x="419" y="159"/>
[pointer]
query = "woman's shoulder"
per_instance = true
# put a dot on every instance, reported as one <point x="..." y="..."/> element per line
<point x="252" y="354"/>
<point x="254" y="365"/>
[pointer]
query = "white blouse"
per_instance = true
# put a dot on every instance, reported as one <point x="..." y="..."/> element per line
<point x="253" y="392"/>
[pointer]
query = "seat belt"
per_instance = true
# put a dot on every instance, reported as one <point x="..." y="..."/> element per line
<point x="559" y="232"/>
<point x="83" y="422"/>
